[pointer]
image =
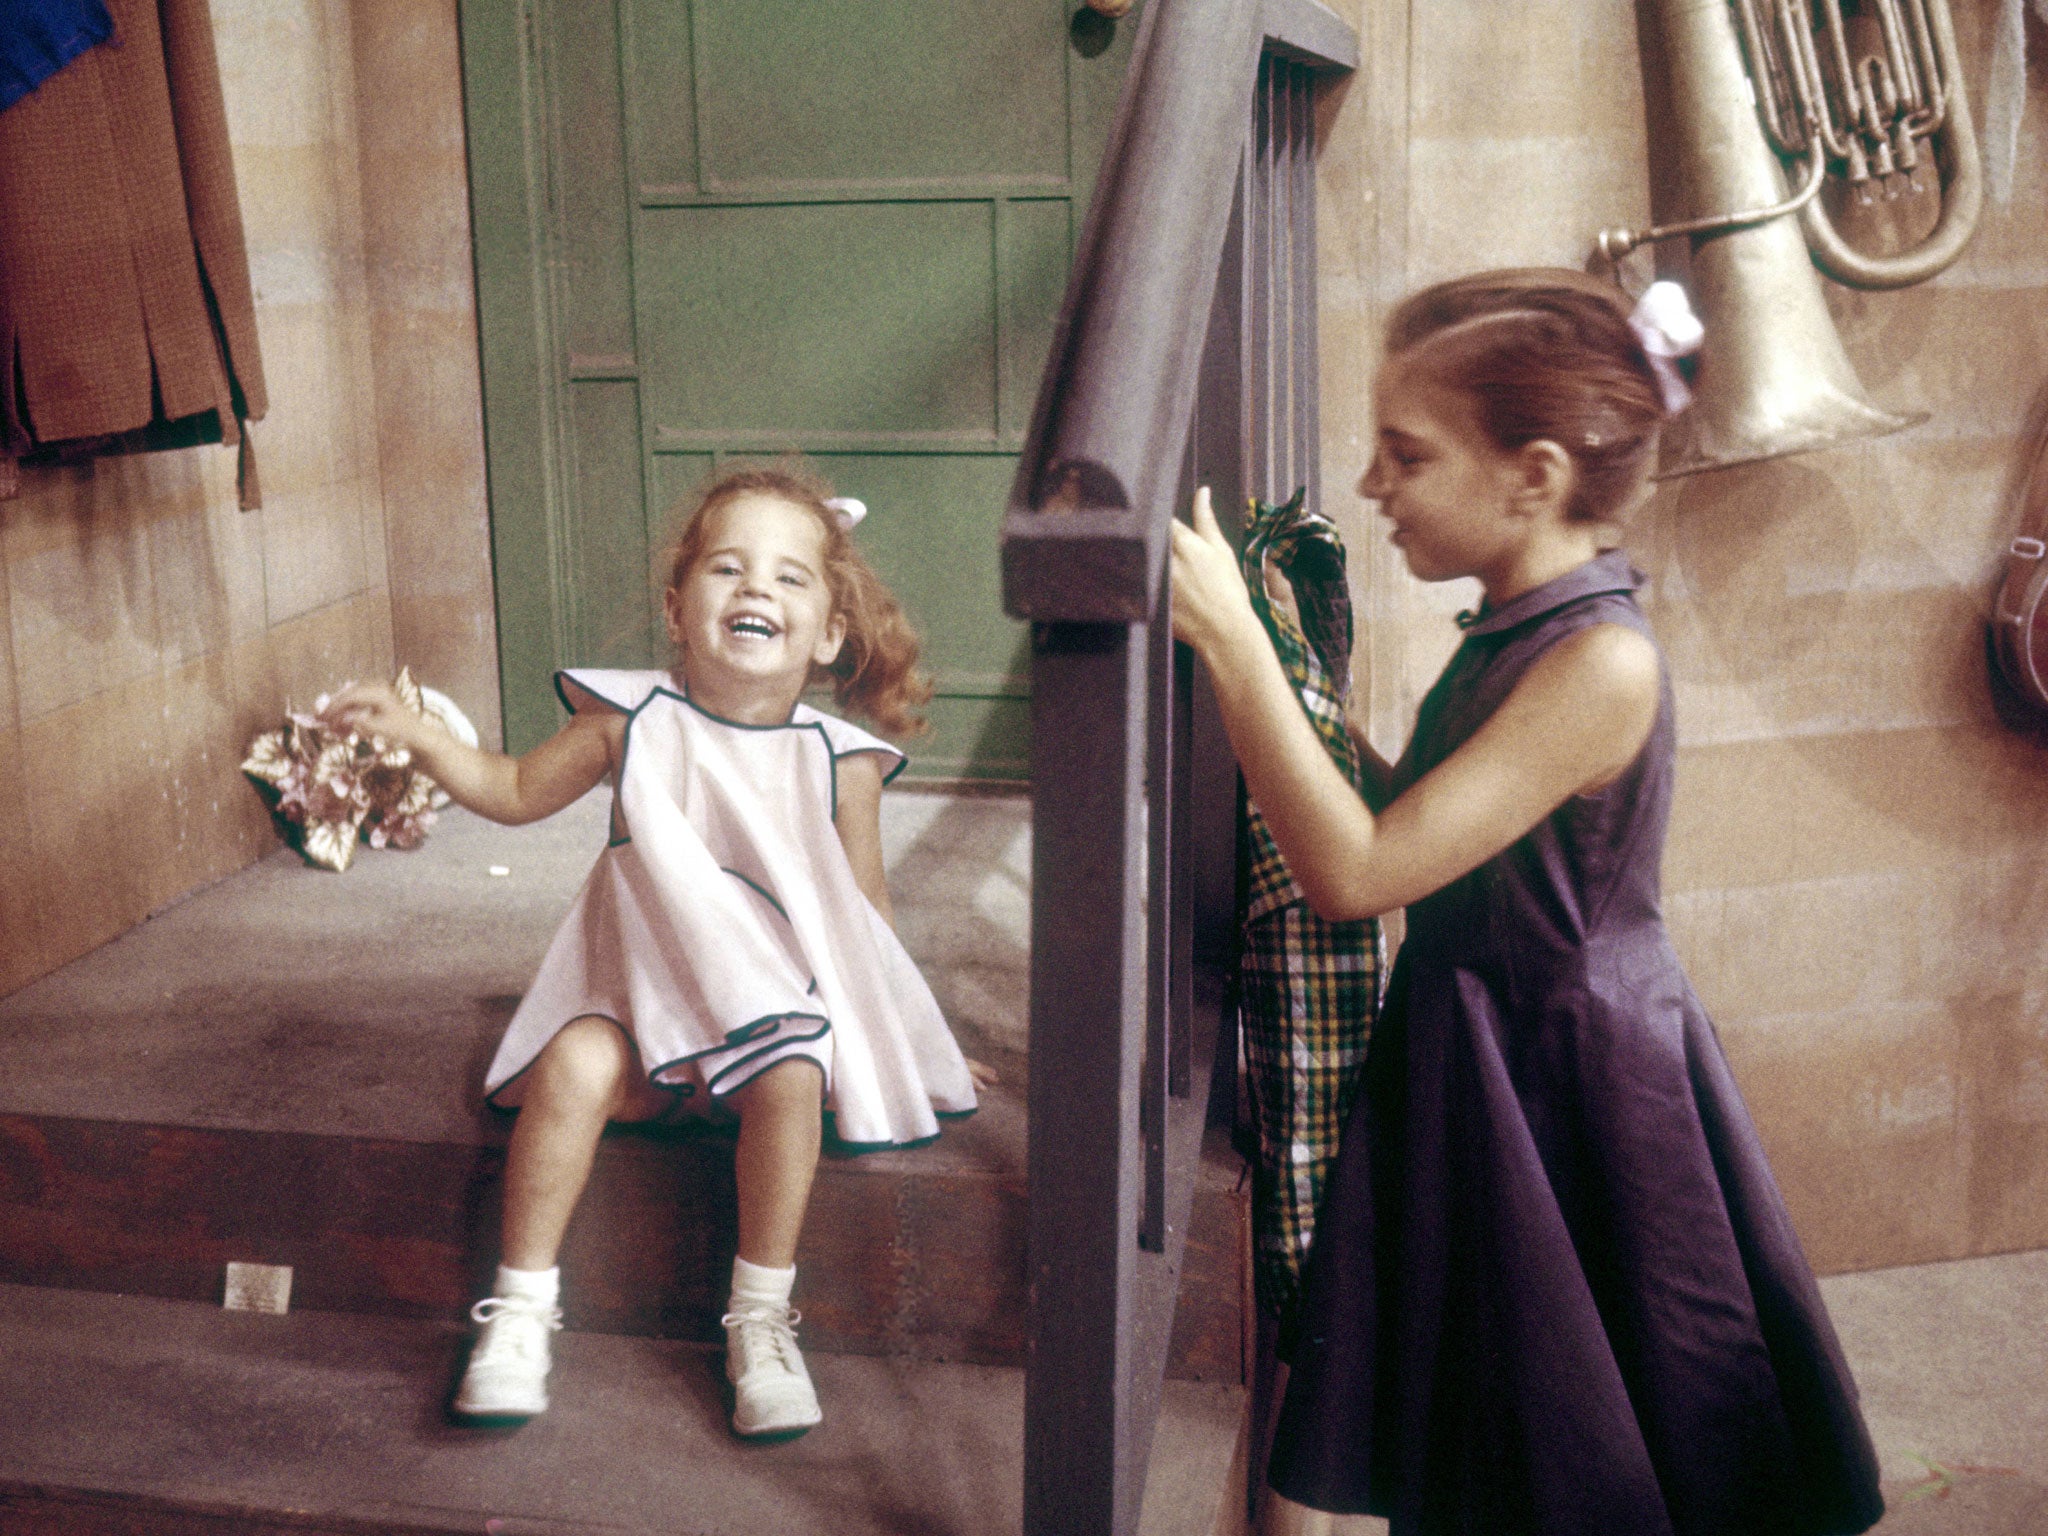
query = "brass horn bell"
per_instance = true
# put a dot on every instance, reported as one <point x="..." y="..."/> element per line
<point x="1773" y="377"/>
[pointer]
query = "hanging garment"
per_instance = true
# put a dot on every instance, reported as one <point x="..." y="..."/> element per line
<point x="127" y="320"/>
<point x="39" y="37"/>
<point x="1307" y="989"/>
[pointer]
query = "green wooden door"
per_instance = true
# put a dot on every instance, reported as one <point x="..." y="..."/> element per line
<point x="717" y="228"/>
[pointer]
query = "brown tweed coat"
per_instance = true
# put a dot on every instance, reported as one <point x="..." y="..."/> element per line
<point x="124" y="281"/>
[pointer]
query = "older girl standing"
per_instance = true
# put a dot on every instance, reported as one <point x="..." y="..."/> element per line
<point x="1554" y="1289"/>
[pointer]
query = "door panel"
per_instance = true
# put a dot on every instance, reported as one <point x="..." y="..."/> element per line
<point x="589" y="149"/>
<point x="732" y="228"/>
<point x="927" y="535"/>
<point x="1034" y="248"/>
<point x="613" y="624"/>
<point x="798" y="93"/>
<point x="818" y="320"/>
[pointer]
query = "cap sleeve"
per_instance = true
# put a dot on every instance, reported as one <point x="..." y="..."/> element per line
<point x="584" y="688"/>
<point x="845" y="740"/>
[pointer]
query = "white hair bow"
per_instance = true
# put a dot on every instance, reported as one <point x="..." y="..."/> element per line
<point x="1668" y="329"/>
<point x="847" y="509"/>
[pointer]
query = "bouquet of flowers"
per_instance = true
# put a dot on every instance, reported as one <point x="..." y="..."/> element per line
<point x="329" y="790"/>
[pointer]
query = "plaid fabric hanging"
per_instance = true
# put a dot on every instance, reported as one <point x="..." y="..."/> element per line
<point x="1308" y="989"/>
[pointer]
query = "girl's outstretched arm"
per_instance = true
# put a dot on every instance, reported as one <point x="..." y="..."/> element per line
<point x="505" y="789"/>
<point x="1578" y="717"/>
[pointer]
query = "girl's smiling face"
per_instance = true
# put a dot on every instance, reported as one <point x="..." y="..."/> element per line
<point x="1447" y="488"/>
<point x="753" y="614"/>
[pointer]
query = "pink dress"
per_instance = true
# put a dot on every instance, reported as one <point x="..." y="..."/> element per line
<point x="722" y="928"/>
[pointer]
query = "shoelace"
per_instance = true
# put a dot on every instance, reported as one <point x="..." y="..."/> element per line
<point x="492" y="1307"/>
<point x="777" y="1324"/>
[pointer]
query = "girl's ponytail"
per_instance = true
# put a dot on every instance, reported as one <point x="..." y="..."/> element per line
<point x="876" y="672"/>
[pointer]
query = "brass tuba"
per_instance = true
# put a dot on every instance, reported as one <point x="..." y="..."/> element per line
<point x="1875" y="95"/>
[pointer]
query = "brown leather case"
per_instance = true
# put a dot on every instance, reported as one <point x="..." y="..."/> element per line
<point x="2019" y="614"/>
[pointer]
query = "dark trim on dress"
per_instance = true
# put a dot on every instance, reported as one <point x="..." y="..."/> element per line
<point x="722" y="1087"/>
<point x="778" y="1050"/>
<point x="676" y="1091"/>
<point x="570" y="704"/>
<point x="763" y="892"/>
<point x="660" y="690"/>
<point x="888" y="777"/>
<point x="724" y="1081"/>
<point x="740" y="1036"/>
<point x="863" y="1148"/>
<point x="740" y="725"/>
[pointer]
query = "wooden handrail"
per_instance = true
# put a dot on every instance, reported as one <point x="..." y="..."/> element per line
<point x="1133" y="786"/>
<point x="1083" y="538"/>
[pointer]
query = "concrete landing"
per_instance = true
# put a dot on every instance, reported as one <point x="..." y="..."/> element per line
<point x="154" y="1413"/>
<point x="137" y="1415"/>
<point x="286" y="1068"/>
<point x="1952" y="1363"/>
<point x="289" y="998"/>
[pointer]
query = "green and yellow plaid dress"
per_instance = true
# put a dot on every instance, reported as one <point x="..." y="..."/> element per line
<point x="1308" y="989"/>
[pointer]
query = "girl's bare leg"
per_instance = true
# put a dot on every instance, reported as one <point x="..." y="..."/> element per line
<point x="781" y="1126"/>
<point x="585" y="1076"/>
<point x="781" y="1130"/>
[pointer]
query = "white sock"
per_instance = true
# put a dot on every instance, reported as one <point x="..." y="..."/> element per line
<point x="758" y="1284"/>
<point x="537" y="1285"/>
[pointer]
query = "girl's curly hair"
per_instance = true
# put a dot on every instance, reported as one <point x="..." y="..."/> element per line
<point x="876" y="672"/>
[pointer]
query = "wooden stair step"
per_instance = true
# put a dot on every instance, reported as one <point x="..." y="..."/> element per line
<point x="895" y="1258"/>
<point x="285" y="1068"/>
<point x="125" y="1415"/>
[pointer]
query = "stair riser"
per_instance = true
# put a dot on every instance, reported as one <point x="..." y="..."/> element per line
<point x="39" y="1511"/>
<point x="926" y="1265"/>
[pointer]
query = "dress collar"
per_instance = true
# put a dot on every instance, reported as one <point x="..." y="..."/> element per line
<point x="1609" y="572"/>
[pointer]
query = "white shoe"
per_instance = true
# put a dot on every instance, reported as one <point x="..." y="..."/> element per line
<point x="772" y="1393"/>
<point x="508" y="1369"/>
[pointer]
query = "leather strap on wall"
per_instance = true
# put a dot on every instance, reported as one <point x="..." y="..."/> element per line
<point x="2019" y="615"/>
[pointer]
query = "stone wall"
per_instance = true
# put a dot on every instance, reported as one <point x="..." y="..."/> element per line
<point x="1857" y="874"/>
<point x="147" y="627"/>
<point x="1852" y="870"/>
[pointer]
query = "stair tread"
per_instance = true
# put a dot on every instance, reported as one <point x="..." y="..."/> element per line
<point x="339" y="1418"/>
<point x="286" y="1068"/>
<point x="368" y="1004"/>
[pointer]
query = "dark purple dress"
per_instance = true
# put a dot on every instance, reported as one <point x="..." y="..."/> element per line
<point x="1554" y="1290"/>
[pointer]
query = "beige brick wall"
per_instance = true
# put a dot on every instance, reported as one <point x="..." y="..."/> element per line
<point x="148" y="628"/>
<point x="1858" y="868"/>
<point x="1855" y="872"/>
<point x="422" y="292"/>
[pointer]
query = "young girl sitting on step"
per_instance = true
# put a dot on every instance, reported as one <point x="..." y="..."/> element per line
<point x="1554" y="1290"/>
<point x="733" y="942"/>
